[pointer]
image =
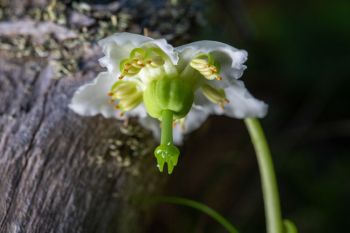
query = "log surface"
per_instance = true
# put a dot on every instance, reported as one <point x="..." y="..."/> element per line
<point x="61" y="172"/>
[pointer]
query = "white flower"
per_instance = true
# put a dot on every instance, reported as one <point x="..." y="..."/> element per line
<point x="241" y="104"/>
<point x="147" y="77"/>
<point x="92" y="99"/>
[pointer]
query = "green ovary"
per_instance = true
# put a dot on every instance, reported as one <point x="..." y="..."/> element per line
<point x="172" y="94"/>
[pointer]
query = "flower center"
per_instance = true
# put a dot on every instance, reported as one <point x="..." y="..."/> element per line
<point x="205" y="64"/>
<point x="126" y="95"/>
<point x="140" y="58"/>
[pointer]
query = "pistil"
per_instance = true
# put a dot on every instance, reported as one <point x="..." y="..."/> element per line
<point x="166" y="152"/>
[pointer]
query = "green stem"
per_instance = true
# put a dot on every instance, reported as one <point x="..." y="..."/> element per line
<point x="167" y="128"/>
<point x="268" y="178"/>
<point x="199" y="206"/>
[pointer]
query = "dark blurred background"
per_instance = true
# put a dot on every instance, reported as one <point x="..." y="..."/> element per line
<point x="299" y="59"/>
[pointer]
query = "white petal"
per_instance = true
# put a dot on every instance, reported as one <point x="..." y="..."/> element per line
<point x="242" y="104"/>
<point x="151" y="124"/>
<point x="119" y="45"/>
<point x="231" y="59"/>
<point x="165" y="47"/>
<point x="194" y="119"/>
<point x="148" y="74"/>
<point x="139" y="111"/>
<point x="92" y="98"/>
<point x="178" y="135"/>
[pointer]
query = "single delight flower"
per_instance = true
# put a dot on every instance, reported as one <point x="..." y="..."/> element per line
<point x="179" y="87"/>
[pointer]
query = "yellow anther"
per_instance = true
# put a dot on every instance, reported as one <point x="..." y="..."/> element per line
<point x="205" y="67"/>
<point x="223" y="102"/>
<point x="213" y="69"/>
<point x="137" y="65"/>
<point x="200" y="61"/>
<point x="127" y="94"/>
<point x="140" y="58"/>
<point x="217" y="96"/>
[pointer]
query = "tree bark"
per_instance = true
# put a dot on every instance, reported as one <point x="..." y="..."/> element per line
<point x="61" y="172"/>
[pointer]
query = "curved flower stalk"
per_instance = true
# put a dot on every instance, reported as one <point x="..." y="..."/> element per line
<point x="179" y="87"/>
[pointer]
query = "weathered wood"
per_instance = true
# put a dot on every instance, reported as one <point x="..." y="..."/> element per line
<point x="61" y="172"/>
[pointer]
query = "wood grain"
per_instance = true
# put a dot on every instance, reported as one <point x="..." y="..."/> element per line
<point x="61" y="172"/>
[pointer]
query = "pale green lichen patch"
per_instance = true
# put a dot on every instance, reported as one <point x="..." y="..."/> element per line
<point x="90" y="23"/>
<point x="86" y="23"/>
<point x="123" y="149"/>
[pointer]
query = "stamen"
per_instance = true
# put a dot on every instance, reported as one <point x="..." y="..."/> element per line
<point x="205" y="65"/>
<point x="217" y="96"/>
<point x="140" y="58"/>
<point x="128" y="95"/>
<point x="131" y="102"/>
<point x="127" y="65"/>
